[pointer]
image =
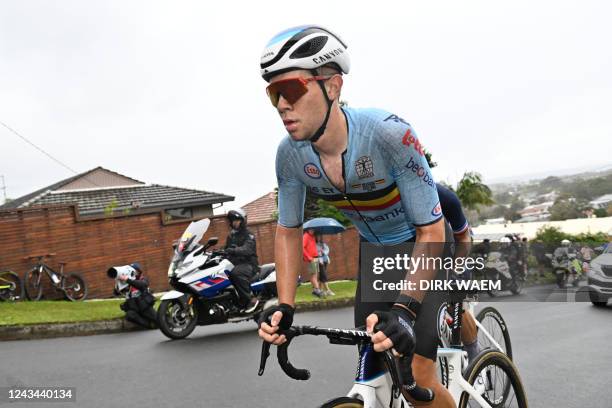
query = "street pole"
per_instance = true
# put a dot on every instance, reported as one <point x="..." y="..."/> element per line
<point x="3" y="188"/>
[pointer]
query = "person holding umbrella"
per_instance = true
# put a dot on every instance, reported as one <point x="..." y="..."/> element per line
<point x="310" y="256"/>
<point x="323" y="251"/>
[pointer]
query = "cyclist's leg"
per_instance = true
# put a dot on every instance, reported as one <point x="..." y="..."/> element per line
<point x="424" y="362"/>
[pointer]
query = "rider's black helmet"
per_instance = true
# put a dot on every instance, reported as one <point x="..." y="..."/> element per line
<point x="237" y="215"/>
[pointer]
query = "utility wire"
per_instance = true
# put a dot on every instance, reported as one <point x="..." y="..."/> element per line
<point x="36" y="147"/>
<point x="45" y="153"/>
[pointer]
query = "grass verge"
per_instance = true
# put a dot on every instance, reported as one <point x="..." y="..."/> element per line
<point x="59" y="311"/>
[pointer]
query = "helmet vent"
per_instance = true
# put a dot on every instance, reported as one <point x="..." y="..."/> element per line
<point x="309" y="48"/>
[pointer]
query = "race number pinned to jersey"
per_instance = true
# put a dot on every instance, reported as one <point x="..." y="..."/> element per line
<point x="364" y="167"/>
<point x="312" y="171"/>
<point x="437" y="210"/>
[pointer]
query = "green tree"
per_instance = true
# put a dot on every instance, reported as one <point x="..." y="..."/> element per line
<point x="601" y="213"/>
<point x="550" y="235"/>
<point x="328" y="210"/>
<point x="566" y="209"/>
<point x="472" y="192"/>
<point x="429" y="158"/>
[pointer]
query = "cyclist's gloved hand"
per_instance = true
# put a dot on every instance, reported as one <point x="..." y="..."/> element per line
<point x="272" y="319"/>
<point x="392" y="329"/>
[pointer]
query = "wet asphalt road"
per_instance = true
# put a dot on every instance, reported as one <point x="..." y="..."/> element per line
<point x="563" y="352"/>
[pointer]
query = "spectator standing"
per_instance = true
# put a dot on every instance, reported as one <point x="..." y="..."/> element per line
<point x="323" y="254"/>
<point x="310" y="256"/>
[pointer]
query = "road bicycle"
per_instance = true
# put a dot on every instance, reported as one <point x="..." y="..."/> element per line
<point x="492" y="328"/>
<point x="489" y="380"/>
<point x="11" y="287"/>
<point x="72" y="285"/>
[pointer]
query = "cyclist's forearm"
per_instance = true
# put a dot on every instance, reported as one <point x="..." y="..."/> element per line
<point x="428" y="245"/>
<point x="288" y="258"/>
<point x="463" y="244"/>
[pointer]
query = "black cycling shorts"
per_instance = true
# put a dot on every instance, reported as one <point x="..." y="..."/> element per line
<point x="426" y="325"/>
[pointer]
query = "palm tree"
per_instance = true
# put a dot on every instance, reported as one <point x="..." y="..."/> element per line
<point x="473" y="192"/>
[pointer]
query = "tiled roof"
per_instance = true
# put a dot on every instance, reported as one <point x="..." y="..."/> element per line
<point x="23" y="201"/>
<point x="92" y="202"/>
<point x="262" y="208"/>
<point x="135" y="196"/>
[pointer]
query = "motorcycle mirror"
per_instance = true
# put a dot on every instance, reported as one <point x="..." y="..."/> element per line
<point x="212" y="242"/>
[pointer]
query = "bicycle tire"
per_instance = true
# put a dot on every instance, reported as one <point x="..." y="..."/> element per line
<point x="491" y="314"/>
<point x="75" y="281"/>
<point x="489" y="358"/>
<point x="343" y="402"/>
<point x="33" y="284"/>
<point x="15" y="289"/>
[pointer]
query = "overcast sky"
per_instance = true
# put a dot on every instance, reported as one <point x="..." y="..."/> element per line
<point x="170" y="92"/>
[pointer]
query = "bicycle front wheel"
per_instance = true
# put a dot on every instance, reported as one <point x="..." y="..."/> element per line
<point x="74" y="287"/>
<point x="496" y="379"/>
<point x="33" y="284"/>
<point x="11" y="288"/>
<point x="496" y="327"/>
<point x="343" y="402"/>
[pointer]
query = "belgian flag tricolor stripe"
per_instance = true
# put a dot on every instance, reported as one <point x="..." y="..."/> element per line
<point x="370" y="201"/>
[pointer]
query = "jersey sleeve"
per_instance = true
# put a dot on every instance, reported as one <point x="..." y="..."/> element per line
<point x="409" y="168"/>
<point x="451" y="208"/>
<point x="291" y="191"/>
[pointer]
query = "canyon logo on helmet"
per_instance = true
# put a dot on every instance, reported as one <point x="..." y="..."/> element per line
<point x="305" y="47"/>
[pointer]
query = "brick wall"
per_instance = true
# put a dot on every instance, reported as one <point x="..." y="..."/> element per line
<point x="92" y="246"/>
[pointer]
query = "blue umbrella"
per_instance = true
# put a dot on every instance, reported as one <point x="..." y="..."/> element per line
<point x="324" y="225"/>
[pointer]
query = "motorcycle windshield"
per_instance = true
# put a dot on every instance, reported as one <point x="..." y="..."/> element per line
<point x="192" y="235"/>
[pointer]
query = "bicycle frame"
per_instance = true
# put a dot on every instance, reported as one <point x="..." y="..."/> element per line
<point x="42" y="267"/>
<point x="375" y="388"/>
<point x="445" y="330"/>
<point x="373" y="384"/>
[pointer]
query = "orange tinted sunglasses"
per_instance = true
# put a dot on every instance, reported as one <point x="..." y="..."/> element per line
<point x="292" y="89"/>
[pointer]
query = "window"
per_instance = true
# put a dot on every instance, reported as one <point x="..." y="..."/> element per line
<point x="176" y="214"/>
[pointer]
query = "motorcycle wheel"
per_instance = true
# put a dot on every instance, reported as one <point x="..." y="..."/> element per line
<point x="176" y="319"/>
<point x="517" y="285"/>
<point x="560" y="280"/>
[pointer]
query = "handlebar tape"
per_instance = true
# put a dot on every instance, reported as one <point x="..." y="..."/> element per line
<point x="288" y="368"/>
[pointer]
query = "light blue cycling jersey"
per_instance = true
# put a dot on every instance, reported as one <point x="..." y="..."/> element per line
<point x="388" y="184"/>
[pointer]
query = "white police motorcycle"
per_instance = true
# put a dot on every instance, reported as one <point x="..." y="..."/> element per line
<point x="203" y="292"/>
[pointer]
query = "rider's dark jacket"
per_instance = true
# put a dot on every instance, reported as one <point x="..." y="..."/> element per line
<point x="241" y="247"/>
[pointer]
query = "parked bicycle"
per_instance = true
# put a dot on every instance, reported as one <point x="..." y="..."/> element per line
<point x="72" y="285"/>
<point x="489" y="380"/>
<point x="11" y="287"/>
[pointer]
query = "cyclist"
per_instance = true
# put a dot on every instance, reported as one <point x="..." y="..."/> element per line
<point x="453" y="213"/>
<point x="370" y="165"/>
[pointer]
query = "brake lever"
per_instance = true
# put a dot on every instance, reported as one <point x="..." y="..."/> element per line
<point x="265" y="353"/>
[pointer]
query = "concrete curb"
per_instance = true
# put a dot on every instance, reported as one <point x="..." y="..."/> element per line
<point x="51" y="330"/>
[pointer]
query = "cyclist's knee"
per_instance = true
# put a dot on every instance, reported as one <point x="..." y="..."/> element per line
<point x="424" y="371"/>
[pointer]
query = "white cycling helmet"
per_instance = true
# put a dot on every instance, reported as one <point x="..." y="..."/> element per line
<point x="304" y="47"/>
<point x="566" y="242"/>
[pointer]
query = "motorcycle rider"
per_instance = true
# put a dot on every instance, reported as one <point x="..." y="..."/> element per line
<point x="563" y="252"/>
<point x="511" y="252"/>
<point x="139" y="301"/>
<point x="241" y="250"/>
